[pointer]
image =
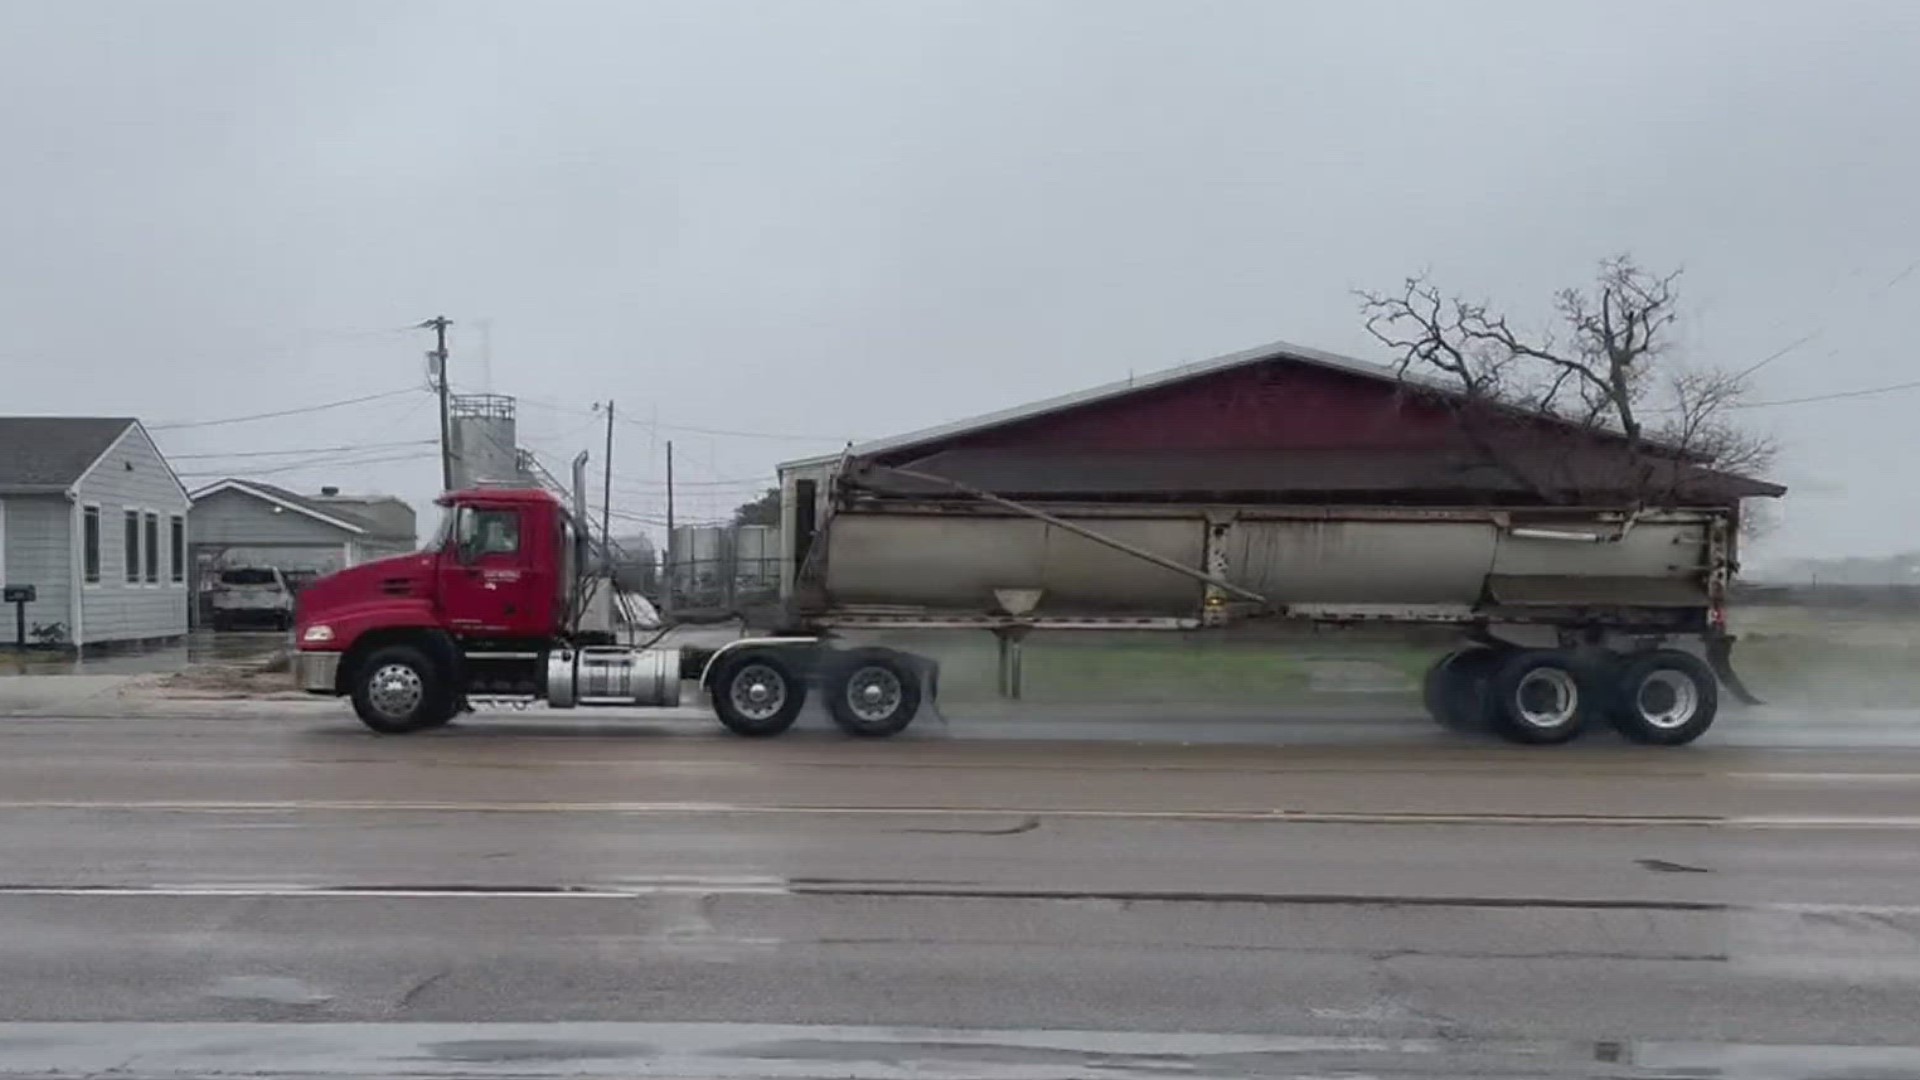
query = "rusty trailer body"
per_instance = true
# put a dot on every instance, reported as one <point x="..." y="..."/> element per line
<point x="885" y="562"/>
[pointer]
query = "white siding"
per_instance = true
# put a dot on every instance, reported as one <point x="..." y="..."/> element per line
<point x="38" y="554"/>
<point x="132" y="476"/>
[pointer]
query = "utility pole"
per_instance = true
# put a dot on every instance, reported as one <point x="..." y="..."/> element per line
<point x="438" y="324"/>
<point x="666" y="595"/>
<point x="606" y="496"/>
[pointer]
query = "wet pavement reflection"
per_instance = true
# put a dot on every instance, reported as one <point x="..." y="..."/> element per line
<point x="201" y="647"/>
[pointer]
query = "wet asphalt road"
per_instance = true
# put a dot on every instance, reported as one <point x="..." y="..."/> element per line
<point x="519" y="897"/>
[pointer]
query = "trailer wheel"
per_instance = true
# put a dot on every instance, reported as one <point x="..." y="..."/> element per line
<point x="757" y="694"/>
<point x="1540" y="696"/>
<point x="1455" y="687"/>
<point x="398" y="689"/>
<point x="1664" y="698"/>
<point x="872" y="694"/>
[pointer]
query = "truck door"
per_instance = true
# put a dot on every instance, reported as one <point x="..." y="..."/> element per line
<point x="486" y="586"/>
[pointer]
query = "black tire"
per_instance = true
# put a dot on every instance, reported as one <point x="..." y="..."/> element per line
<point x="399" y="689"/>
<point x="872" y="693"/>
<point x="1664" y="698"/>
<point x="762" y="714"/>
<point x="1541" y="697"/>
<point x="1455" y="688"/>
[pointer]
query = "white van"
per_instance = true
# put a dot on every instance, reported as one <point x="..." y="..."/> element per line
<point x="252" y="596"/>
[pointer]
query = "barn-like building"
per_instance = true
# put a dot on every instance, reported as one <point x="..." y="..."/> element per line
<point x="1276" y="424"/>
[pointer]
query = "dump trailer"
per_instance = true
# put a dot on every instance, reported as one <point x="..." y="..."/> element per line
<point x="1566" y="615"/>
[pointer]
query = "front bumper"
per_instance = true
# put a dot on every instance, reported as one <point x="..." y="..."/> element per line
<point x="317" y="672"/>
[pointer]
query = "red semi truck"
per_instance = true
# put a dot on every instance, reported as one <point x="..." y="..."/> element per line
<point x="491" y="609"/>
<point x="1567" y="614"/>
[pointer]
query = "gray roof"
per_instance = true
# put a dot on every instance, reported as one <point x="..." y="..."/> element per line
<point x="49" y="453"/>
<point x="387" y="516"/>
<point x="344" y="519"/>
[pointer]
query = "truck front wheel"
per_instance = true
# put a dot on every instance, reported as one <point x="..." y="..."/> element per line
<point x="398" y="689"/>
<point x="757" y="694"/>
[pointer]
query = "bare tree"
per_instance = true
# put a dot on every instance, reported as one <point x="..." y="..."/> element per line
<point x="1604" y="368"/>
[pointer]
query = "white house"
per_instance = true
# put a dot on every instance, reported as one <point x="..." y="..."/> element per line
<point x="94" y="519"/>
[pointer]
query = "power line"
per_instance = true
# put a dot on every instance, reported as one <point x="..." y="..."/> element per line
<point x="734" y="482"/>
<point x="284" y="412"/>
<point x="323" y="463"/>
<point x="302" y="450"/>
<point x="1778" y="353"/>
<point x="1870" y="391"/>
<point x="662" y="426"/>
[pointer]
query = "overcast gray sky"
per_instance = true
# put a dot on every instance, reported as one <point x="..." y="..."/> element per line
<point x="837" y="220"/>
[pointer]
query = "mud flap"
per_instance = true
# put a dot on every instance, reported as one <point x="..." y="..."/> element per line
<point x="1720" y="659"/>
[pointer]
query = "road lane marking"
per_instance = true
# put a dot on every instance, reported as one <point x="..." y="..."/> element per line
<point x="733" y="1051"/>
<point x="748" y="809"/>
<point x="694" y="887"/>
<point x="1820" y="822"/>
<point x="1250" y="816"/>
<point x="1826" y="777"/>
<point x="688" y="886"/>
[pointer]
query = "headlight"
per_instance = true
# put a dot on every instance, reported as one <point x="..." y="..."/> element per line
<point x="314" y="634"/>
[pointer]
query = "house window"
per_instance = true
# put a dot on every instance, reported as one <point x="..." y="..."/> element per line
<point x="90" y="543"/>
<point x="151" y="549"/>
<point x="133" y="546"/>
<point x="177" y="536"/>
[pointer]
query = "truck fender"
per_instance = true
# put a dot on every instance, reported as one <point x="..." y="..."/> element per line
<point x="435" y="642"/>
<point x="713" y="661"/>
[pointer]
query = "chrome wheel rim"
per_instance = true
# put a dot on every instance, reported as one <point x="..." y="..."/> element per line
<point x="873" y="694"/>
<point x="396" y="691"/>
<point x="758" y="692"/>
<point x="1547" y="698"/>
<point x="1667" y="700"/>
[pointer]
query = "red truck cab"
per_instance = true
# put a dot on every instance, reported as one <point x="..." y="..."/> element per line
<point x="489" y="610"/>
<point x="496" y="578"/>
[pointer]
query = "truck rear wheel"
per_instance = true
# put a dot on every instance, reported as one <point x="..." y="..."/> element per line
<point x="1664" y="698"/>
<point x="399" y="689"/>
<point x="1540" y="696"/>
<point x="757" y="694"/>
<point x="1455" y="688"/>
<point x="872" y="693"/>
